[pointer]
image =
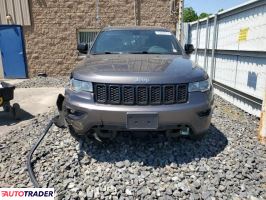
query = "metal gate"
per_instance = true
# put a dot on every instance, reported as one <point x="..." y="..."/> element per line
<point x="231" y="46"/>
<point x="12" y="51"/>
<point x="87" y="36"/>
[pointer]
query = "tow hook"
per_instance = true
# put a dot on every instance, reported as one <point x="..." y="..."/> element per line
<point x="185" y="131"/>
<point x="95" y="135"/>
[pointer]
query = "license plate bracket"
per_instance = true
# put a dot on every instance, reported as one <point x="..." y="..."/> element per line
<point x="142" y="121"/>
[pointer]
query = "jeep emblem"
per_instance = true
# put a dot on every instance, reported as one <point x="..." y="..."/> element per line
<point x="142" y="80"/>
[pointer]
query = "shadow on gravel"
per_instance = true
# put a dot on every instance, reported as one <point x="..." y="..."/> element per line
<point x="155" y="149"/>
<point x="6" y="118"/>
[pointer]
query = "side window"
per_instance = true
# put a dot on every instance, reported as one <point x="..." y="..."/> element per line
<point x="87" y="36"/>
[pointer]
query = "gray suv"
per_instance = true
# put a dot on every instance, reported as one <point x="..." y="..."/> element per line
<point x="138" y="79"/>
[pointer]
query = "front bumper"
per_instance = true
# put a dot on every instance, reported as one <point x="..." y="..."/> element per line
<point x="83" y="114"/>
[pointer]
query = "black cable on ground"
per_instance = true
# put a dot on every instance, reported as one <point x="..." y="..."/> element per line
<point x="34" y="147"/>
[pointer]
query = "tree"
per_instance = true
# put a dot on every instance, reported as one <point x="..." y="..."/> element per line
<point x="221" y="10"/>
<point x="203" y="15"/>
<point x="190" y="15"/>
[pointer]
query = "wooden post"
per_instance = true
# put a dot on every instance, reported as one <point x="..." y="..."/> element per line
<point x="262" y="128"/>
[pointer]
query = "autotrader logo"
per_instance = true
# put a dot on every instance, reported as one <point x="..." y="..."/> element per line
<point x="26" y="193"/>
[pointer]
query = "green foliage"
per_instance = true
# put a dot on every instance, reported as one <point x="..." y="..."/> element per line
<point x="190" y="15"/>
<point x="203" y="15"/>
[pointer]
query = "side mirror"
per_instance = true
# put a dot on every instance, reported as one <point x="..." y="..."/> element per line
<point x="189" y="48"/>
<point x="83" y="48"/>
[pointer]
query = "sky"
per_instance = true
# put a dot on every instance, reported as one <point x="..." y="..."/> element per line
<point x="212" y="6"/>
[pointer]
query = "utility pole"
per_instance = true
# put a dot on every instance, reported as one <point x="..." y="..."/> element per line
<point x="262" y="128"/>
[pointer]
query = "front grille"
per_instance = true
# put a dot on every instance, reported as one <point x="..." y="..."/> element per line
<point x="140" y="94"/>
<point x="155" y="95"/>
<point x="101" y="94"/>
<point x="169" y="94"/>
<point x="128" y="95"/>
<point x="182" y="93"/>
<point x="114" y="94"/>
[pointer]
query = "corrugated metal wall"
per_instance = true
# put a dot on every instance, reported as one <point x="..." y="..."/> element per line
<point x="17" y="9"/>
<point x="238" y="46"/>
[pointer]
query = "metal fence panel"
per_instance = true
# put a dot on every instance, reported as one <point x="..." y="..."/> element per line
<point x="202" y="35"/>
<point x="211" y="28"/>
<point x="3" y="12"/>
<point x="226" y="69"/>
<point x="17" y="9"/>
<point x="193" y="35"/>
<point x="251" y="76"/>
<point x="235" y="54"/>
<point x="252" y="22"/>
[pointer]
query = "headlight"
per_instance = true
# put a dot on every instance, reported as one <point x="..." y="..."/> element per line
<point x="201" y="86"/>
<point x="78" y="85"/>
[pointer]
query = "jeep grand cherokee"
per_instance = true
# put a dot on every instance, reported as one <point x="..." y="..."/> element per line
<point x="138" y="79"/>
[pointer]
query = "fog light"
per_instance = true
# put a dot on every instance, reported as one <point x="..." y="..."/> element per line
<point x="204" y="113"/>
<point x="75" y="112"/>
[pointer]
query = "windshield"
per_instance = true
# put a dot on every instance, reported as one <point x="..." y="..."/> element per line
<point x="136" y="42"/>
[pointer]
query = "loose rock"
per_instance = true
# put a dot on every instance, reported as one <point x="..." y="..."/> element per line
<point x="228" y="163"/>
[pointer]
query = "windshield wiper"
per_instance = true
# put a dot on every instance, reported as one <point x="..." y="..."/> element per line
<point x="145" y="52"/>
<point x="106" y="52"/>
<point x="133" y="52"/>
<point x="139" y="52"/>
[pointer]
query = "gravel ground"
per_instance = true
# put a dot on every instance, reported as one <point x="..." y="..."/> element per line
<point x="229" y="163"/>
<point x="40" y="81"/>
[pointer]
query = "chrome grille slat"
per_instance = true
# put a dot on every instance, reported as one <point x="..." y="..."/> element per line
<point x="140" y="94"/>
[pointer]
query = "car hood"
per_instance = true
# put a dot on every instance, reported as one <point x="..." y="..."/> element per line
<point x="138" y="69"/>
